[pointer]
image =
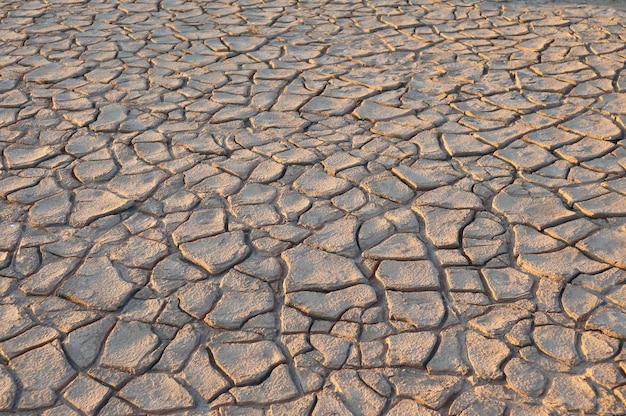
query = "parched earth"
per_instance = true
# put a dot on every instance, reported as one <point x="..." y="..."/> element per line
<point x="312" y="207"/>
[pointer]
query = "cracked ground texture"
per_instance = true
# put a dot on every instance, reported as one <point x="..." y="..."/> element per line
<point x="312" y="208"/>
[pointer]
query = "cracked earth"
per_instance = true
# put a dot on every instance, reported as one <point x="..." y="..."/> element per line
<point x="312" y="208"/>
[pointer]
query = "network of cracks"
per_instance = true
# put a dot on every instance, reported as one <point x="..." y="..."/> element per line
<point x="312" y="208"/>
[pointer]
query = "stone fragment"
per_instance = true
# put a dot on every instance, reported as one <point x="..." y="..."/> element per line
<point x="197" y="298"/>
<point x="299" y="406"/>
<point x="410" y="349"/>
<point x="20" y="156"/>
<point x="153" y="152"/>
<point x="504" y="136"/>
<point x="450" y="353"/>
<point x="424" y="310"/>
<point x="91" y="204"/>
<point x="267" y="269"/>
<point x="329" y="106"/>
<point x="597" y="346"/>
<point x="45" y="281"/>
<point x="401" y="246"/>
<point x="337" y="237"/>
<point x="278" y="119"/>
<point x="408" y="275"/>
<point x="560" y="265"/>
<point x="257" y="216"/>
<point x="357" y="394"/>
<point x="334" y="350"/>
<point x="116" y="406"/>
<point x="570" y="392"/>
<point x="243" y="297"/>
<point x="86" y="394"/>
<point x="138" y="252"/>
<point x="292" y="204"/>
<point x="8" y="116"/>
<point x="527" y="157"/>
<point x="61" y="410"/>
<point x="480" y="402"/>
<point x="486" y="355"/>
<point x="110" y="117"/>
<point x="618" y="296"/>
<point x="129" y="347"/>
<point x="508" y="284"/>
<point x="449" y="197"/>
<point x="442" y="225"/>
<point x="138" y="186"/>
<point x="389" y="187"/>
<point x="607" y="205"/>
<point x="202" y="377"/>
<point x="249" y="362"/>
<point x="53" y="73"/>
<point x="500" y="319"/>
<point x="520" y="334"/>
<point x="464" y="280"/>
<point x="45" y="188"/>
<point x="606" y="374"/>
<point x="312" y="269"/>
<point x="333" y="304"/>
<point x="8" y="390"/>
<point x="172" y="273"/>
<point x="252" y="194"/>
<point x="460" y="145"/>
<point x="103" y="75"/>
<point x="373" y="231"/>
<point x="373" y="111"/>
<point x="578" y="302"/>
<point x="41" y="372"/>
<point x="557" y="342"/>
<point x="609" y="320"/>
<point x="178" y="350"/>
<point x="403" y="219"/>
<point x="50" y="211"/>
<point x="216" y="254"/>
<point x="551" y="68"/>
<point x="527" y="240"/>
<point x="524" y="378"/>
<point x="33" y="337"/>
<point x="97" y="284"/>
<point x="531" y="205"/>
<point x="91" y="171"/>
<point x="608" y="402"/>
<point x="340" y="161"/>
<point x="351" y="200"/>
<point x="551" y="138"/>
<point x="289" y="232"/>
<point x="430" y="390"/>
<point x="606" y="245"/>
<point x="409" y="407"/>
<point x="201" y="223"/>
<point x="583" y="150"/>
<point x="242" y="44"/>
<point x="233" y="112"/>
<point x="318" y="184"/>
<point x="156" y="392"/>
<point x="593" y="125"/>
<point x="223" y="184"/>
<point x="279" y="386"/>
<point x="328" y="403"/>
<point x="321" y="212"/>
<point x="83" y="344"/>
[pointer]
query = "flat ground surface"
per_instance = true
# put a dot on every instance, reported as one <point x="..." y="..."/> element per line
<point x="312" y="207"/>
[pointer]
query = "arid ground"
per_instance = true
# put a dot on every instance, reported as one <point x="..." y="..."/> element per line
<point x="340" y="207"/>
